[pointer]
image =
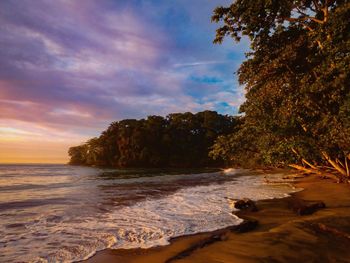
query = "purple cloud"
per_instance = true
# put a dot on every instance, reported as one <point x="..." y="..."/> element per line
<point x="77" y="65"/>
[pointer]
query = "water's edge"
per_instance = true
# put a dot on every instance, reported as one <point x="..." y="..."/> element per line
<point x="63" y="213"/>
<point x="281" y="179"/>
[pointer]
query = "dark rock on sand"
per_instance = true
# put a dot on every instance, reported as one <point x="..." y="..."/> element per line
<point x="246" y="204"/>
<point x="302" y="207"/>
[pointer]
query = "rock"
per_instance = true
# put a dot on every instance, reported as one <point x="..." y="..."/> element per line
<point x="245" y="204"/>
<point x="307" y="208"/>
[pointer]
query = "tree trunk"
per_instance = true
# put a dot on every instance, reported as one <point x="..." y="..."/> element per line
<point x="334" y="164"/>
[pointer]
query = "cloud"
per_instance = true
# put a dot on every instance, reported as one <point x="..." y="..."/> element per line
<point x="72" y="67"/>
<point x="199" y="63"/>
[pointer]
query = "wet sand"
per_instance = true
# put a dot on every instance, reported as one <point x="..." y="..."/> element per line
<point x="281" y="236"/>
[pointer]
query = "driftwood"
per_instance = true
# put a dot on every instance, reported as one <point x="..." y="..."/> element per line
<point x="333" y="231"/>
<point x="303" y="207"/>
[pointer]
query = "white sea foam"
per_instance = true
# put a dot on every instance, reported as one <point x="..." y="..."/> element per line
<point x="59" y="236"/>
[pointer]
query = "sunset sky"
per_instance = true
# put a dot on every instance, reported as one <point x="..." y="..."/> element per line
<point x="69" y="68"/>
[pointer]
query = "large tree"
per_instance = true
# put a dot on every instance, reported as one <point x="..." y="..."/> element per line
<point x="297" y="81"/>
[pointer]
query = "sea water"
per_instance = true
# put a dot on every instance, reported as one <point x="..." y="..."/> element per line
<point x="62" y="213"/>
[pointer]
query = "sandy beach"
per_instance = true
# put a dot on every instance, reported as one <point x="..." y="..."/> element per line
<point x="281" y="235"/>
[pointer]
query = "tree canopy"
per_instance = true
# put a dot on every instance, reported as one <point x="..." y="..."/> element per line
<point x="178" y="140"/>
<point x="297" y="80"/>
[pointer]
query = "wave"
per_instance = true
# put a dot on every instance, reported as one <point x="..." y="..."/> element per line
<point x="58" y="235"/>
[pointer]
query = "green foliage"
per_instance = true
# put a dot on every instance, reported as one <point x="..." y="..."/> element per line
<point x="77" y="154"/>
<point x="297" y="80"/>
<point x="179" y="140"/>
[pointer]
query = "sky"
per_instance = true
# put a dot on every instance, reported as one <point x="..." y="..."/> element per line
<point x="68" y="68"/>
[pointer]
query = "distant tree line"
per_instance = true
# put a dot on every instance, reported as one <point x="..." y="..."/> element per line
<point x="297" y="81"/>
<point x="178" y="140"/>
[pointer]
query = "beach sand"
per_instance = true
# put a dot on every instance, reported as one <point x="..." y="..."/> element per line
<point x="281" y="236"/>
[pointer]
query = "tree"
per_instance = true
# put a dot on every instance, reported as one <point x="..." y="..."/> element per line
<point x="77" y="154"/>
<point x="179" y="140"/>
<point x="296" y="77"/>
<point x="93" y="151"/>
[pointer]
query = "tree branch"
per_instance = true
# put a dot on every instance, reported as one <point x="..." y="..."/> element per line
<point x="313" y="171"/>
<point x="317" y="6"/>
<point x="301" y="21"/>
<point x="301" y="12"/>
<point x="347" y="168"/>
<point x="334" y="164"/>
<point x="309" y="164"/>
<point x="339" y="162"/>
<point x="304" y="18"/>
<point x="325" y="11"/>
<point x="307" y="170"/>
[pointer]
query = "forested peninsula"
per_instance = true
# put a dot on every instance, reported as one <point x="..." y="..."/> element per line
<point x="178" y="140"/>
<point x="297" y="108"/>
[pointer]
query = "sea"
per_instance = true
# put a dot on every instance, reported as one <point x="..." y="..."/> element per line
<point x="63" y="213"/>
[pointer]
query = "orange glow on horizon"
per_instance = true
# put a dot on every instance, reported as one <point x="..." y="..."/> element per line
<point x="33" y="152"/>
<point x="27" y="143"/>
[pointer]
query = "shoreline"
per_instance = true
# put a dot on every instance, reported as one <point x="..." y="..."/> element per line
<point x="279" y="234"/>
